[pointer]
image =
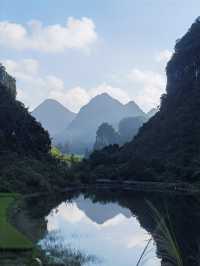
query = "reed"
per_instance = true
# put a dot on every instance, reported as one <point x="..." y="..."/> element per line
<point x="165" y="239"/>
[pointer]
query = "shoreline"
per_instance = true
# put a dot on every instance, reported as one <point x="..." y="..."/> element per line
<point x="138" y="186"/>
<point x="16" y="253"/>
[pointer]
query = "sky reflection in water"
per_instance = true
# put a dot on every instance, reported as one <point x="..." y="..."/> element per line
<point x="107" y="231"/>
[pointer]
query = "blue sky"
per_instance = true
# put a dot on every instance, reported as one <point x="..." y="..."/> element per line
<point x="115" y="46"/>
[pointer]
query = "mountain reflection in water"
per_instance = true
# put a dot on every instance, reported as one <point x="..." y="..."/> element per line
<point x="113" y="228"/>
<point x="105" y="231"/>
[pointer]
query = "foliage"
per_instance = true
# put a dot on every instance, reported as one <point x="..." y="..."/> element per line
<point x="19" y="131"/>
<point x="10" y="239"/>
<point x="26" y="163"/>
<point x="70" y="159"/>
<point x="165" y="238"/>
<point x="167" y="147"/>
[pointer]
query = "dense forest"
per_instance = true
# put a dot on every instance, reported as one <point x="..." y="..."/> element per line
<point x="167" y="147"/>
<point x="26" y="162"/>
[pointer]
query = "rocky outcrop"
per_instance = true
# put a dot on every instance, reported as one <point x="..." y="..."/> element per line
<point x="7" y="81"/>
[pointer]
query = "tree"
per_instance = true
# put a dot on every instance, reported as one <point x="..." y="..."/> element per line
<point x="167" y="147"/>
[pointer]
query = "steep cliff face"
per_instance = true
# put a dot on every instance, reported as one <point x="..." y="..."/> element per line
<point x="8" y="82"/>
<point x="168" y="145"/>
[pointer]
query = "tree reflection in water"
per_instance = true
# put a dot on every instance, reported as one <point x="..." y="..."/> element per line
<point x="173" y="222"/>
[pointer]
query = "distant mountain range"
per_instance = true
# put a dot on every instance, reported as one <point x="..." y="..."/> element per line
<point x="101" y="213"/>
<point x="81" y="132"/>
<point x="77" y="132"/>
<point x="53" y="116"/>
<point x="167" y="147"/>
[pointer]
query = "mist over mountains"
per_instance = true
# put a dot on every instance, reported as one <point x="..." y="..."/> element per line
<point x="167" y="147"/>
<point x="78" y="131"/>
<point x="53" y="116"/>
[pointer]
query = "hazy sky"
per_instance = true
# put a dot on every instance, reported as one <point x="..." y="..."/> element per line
<point x="71" y="50"/>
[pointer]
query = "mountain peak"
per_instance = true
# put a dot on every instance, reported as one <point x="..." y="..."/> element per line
<point x="53" y="116"/>
<point x="101" y="100"/>
<point x="104" y="96"/>
<point x="132" y="106"/>
<point x="166" y="148"/>
<point x="130" y="103"/>
<point x="51" y="102"/>
<point x="103" y="108"/>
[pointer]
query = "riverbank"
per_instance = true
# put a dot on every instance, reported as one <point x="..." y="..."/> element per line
<point x="10" y="238"/>
<point x="15" y="248"/>
<point x="137" y="186"/>
<point x="16" y="213"/>
<point x="145" y="186"/>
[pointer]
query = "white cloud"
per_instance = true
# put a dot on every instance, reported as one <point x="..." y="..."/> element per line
<point x="22" y="68"/>
<point x="76" y="97"/>
<point x="164" y="56"/>
<point x="148" y="85"/>
<point x="34" y="88"/>
<point x="115" y="92"/>
<point x="73" y="98"/>
<point x="76" y="33"/>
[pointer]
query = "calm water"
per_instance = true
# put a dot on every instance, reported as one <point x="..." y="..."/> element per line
<point x="102" y="231"/>
<point x="113" y="228"/>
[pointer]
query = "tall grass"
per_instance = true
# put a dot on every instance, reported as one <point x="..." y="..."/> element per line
<point x="165" y="239"/>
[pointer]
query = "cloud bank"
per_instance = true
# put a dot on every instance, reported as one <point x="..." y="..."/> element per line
<point x="76" y="33"/>
<point x="164" y="56"/>
<point x="76" y="97"/>
<point x="149" y="86"/>
<point x="144" y="86"/>
<point x="33" y="88"/>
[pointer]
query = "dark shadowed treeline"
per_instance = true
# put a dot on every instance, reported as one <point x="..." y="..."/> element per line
<point x="167" y="147"/>
<point x="26" y="164"/>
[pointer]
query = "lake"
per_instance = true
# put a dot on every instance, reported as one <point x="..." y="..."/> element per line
<point x="104" y="233"/>
<point x="116" y="228"/>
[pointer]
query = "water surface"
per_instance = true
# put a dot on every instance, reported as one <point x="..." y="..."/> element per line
<point x="106" y="233"/>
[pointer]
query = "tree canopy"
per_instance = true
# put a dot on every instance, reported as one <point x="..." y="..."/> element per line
<point x="167" y="147"/>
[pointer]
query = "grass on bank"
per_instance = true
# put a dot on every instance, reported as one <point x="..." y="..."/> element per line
<point x="67" y="158"/>
<point x="10" y="238"/>
<point x="165" y="239"/>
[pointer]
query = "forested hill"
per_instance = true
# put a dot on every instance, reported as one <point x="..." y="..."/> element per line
<point x="19" y="131"/>
<point x="167" y="147"/>
<point x="26" y="164"/>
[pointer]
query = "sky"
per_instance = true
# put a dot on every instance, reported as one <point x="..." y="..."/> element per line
<point x="72" y="50"/>
<point x="87" y="227"/>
